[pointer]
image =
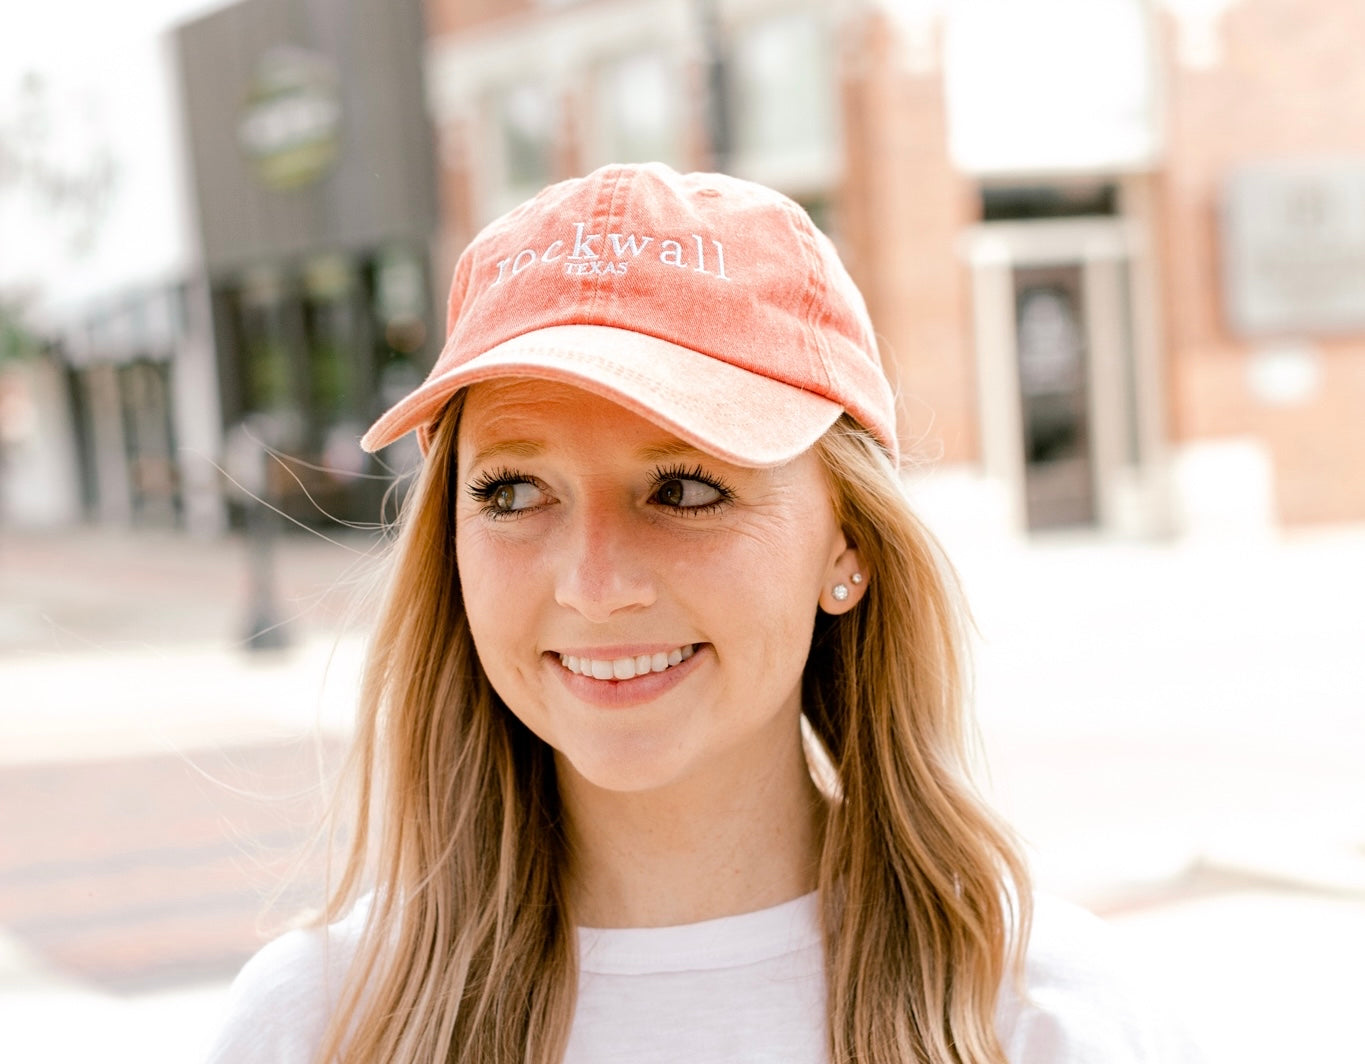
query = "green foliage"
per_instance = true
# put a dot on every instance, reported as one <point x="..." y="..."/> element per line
<point x="16" y="342"/>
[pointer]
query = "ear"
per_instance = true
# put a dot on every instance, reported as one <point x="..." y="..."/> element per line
<point x="845" y="582"/>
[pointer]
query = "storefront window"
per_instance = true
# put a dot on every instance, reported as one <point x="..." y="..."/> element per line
<point x="783" y="93"/>
<point x="267" y="365"/>
<point x="636" y="110"/>
<point x="525" y="120"/>
<point x="330" y="329"/>
<point x="267" y="372"/>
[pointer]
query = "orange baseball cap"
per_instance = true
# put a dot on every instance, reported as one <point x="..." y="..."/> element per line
<point x="709" y="305"/>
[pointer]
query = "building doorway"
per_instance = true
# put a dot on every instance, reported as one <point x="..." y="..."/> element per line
<point x="1054" y="405"/>
<point x="1068" y="373"/>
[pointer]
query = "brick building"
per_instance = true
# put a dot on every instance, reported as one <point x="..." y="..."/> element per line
<point x="1114" y="249"/>
<point x="1272" y="126"/>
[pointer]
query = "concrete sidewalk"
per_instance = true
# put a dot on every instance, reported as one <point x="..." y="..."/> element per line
<point x="1175" y="729"/>
<point x="92" y="591"/>
<point x="1179" y="732"/>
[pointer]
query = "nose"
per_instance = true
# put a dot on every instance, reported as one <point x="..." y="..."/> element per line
<point x="604" y="567"/>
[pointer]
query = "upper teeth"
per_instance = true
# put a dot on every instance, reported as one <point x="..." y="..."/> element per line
<point x="625" y="668"/>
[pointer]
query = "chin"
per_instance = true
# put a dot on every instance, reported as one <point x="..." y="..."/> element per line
<point x="633" y="772"/>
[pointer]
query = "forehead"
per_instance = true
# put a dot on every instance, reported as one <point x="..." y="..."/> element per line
<point x="534" y="411"/>
<point x="513" y="418"/>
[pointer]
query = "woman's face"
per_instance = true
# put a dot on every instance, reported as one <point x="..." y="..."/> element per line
<point x="643" y="607"/>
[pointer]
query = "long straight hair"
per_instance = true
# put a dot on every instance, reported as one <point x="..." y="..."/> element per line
<point x="467" y="954"/>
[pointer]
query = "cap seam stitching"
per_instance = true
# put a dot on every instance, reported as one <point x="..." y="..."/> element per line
<point x="811" y="296"/>
<point x="623" y="177"/>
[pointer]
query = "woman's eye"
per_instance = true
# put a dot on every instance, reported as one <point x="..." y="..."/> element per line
<point x="508" y="496"/>
<point x="685" y="493"/>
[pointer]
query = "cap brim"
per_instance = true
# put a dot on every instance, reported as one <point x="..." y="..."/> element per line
<point x="736" y="415"/>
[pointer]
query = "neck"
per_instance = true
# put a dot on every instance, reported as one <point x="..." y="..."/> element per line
<point x="728" y="840"/>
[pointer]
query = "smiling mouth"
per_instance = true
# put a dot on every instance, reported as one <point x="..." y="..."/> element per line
<point x="627" y="668"/>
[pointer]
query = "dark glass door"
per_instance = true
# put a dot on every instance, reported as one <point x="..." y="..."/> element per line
<point x="1050" y="341"/>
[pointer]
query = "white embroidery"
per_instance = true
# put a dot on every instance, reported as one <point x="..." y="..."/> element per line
<point x="586" y="269"/>
<point x="582" y="249"/>
<point x="610" y="254"/>
<point x="629" y="243"/>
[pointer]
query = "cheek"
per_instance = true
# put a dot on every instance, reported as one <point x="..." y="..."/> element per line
<point x="761" y="588"/>
<point x="492" y="590"/>
<point x="500" y="633"/>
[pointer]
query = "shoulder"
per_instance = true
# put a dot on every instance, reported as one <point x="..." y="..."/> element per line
<point x="1083" y="1004"/>
<point x="281" y="1001"/>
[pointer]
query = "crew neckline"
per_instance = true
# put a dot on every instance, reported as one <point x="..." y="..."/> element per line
<point x="725" y="942"/>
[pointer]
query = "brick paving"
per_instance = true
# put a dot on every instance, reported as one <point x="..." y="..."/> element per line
<point x="147" y="872"/>
<point x="135" y="857"/>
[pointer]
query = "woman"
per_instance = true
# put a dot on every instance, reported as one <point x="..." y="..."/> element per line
<point x="661" y="744"/>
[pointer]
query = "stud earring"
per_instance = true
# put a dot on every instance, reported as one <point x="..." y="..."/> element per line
<point x="840" y="592"/>
<point x="856" y="578"/>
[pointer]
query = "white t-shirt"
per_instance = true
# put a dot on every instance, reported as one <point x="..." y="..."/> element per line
<point x="746" y="988"/>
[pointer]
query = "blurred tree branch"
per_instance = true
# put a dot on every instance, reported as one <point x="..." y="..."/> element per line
<point x="67" y="173"/>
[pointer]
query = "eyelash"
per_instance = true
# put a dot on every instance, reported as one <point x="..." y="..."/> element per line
<point x="487" y="485"/>
<point x="701" y="476"/>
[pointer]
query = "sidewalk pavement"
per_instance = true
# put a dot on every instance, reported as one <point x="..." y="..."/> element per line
<point x="156" y="776"/>
<point x="1178" y="731"/>
<point x="1175" y="729"/>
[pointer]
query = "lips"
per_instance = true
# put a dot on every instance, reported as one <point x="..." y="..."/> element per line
<point x="626" y="668"/>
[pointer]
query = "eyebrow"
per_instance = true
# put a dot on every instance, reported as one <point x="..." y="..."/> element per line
<point x="534" y="448"/>
<point x="507" y="449"/>
<point x="676" y="449"/>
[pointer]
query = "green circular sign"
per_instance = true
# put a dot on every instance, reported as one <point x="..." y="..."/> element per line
<point x="291" y="123"/>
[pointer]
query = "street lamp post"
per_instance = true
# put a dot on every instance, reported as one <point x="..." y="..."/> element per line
<point x="248" y="465"/>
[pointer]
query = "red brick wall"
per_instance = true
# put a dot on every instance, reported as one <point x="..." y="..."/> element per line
<point x="1290" y="82"/>
<point x="455" y="16"/>
<point x="901" y="208"/>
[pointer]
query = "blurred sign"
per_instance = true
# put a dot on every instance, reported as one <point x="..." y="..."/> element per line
<point x="1293" y="238"/>
<point x="292" y="118"/>
<point x="307" y="129"/>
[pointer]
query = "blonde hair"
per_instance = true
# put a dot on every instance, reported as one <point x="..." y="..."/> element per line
<point x="468" y="952"/>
